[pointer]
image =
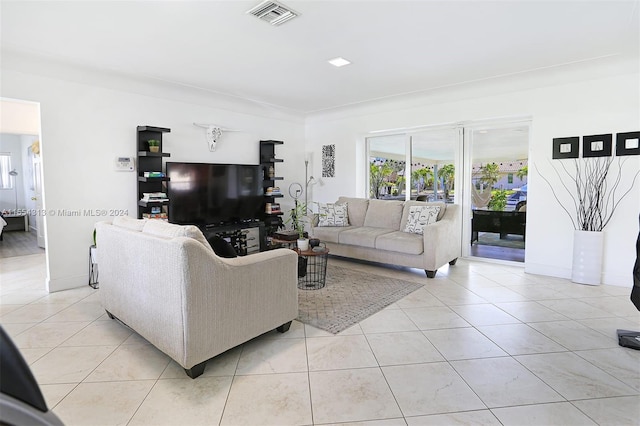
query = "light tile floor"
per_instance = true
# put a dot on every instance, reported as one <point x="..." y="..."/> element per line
<point x="480" y="344"/>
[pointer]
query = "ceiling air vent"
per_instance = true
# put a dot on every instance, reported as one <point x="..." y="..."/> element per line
<point x="273" y="12"/>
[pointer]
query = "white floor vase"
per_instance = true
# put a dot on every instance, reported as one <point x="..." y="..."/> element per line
<point x="587" y="257"/>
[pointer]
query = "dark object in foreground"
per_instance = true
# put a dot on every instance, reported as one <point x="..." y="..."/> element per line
<point x="626" y="338"/>
<point x="21" y="402"/>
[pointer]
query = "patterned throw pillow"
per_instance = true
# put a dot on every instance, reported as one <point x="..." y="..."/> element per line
<point x="333" y="215"/>
<point x="419" y="217"/>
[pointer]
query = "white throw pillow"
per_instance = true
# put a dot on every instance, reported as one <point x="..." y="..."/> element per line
<point x="421" y="216"/>
<point x="333" y="214"/>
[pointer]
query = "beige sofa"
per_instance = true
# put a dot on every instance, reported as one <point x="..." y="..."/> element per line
<point x="376" y="232"/>
<point x="166" y="283"/>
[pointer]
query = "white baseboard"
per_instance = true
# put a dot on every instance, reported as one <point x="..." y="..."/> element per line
<point x="546" y="270"/>
<point x="608" y="278"/>
<point x="67" y="283"/>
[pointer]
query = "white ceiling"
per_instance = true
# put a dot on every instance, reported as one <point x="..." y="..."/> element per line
<point x="396" y="46"/>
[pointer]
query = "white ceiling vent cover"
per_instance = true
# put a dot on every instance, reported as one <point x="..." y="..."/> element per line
<point x="273" y="12"/>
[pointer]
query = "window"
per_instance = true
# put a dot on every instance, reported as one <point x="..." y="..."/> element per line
<point x="510" y="178"/>
<point x="418" y="165"/>
<point x="6" y="180"/>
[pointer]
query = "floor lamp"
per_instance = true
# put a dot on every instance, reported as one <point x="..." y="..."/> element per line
<point x="307" y="182"/>
<point x="14" y="173"/>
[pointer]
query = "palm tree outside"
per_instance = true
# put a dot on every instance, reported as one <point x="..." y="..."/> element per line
<point x="447" y="173"/>
<point x="490" y="174"/>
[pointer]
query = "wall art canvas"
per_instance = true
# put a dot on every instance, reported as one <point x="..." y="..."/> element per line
<point x="328" y="160"/>
<point x="628" y="143"/>
<point x="565" y="147"/>
<point x="596" y="146"/>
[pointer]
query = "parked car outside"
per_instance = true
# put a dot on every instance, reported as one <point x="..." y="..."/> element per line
<point x="518" y="196"/>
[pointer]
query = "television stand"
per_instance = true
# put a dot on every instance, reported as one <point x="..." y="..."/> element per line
<point x="245" y="237"/>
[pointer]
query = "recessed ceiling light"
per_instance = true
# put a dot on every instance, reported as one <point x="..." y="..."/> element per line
<point x="339" y="62"/>
<point x="483" y="131"/>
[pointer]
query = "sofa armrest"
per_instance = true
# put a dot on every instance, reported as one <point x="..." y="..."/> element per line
<point x="442" y="239"/>
<point x="240" y="298"/>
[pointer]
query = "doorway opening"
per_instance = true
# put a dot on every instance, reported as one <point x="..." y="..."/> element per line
<point x="20" y="179"/>
<point x="498" y="191"/>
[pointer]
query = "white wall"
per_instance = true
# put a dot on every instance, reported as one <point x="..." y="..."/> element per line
<point x="600" y="105"/>
<point x="86" y="126"/>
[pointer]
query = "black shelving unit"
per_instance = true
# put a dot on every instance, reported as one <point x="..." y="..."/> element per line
<point x="150" y="162"/>
<point x="268" y="161"/>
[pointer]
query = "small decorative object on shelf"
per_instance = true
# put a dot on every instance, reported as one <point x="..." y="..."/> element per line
<point x="154" y="145"/>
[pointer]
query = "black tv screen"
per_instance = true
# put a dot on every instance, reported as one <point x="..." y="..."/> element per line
<point x="212" y="194"/>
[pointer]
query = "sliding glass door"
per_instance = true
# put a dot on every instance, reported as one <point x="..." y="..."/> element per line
<point x="495" y="216"/>
<point x="435" y="164"/>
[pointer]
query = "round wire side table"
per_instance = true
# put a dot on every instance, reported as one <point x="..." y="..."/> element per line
<point x="315" y="273"/>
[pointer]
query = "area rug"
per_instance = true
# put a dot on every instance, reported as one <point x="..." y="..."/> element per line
<point x="349" y="297"/>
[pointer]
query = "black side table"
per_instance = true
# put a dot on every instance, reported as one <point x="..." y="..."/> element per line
<point x="316" y="275"/>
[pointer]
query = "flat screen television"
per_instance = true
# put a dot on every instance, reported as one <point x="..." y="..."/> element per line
<point x="213" y="194"/>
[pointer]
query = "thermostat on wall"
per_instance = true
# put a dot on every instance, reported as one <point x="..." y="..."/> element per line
<point x="124" y="164"/>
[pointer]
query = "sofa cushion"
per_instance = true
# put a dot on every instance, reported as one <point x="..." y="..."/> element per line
<point x="408" y="204"/>
<point x="401" y="242"/>
<point x="330" y="233"/>
<point x="357" y="209"/>
<point x="333" y="214"/>
<point x="129" y="223"/>
<point x="363" y="236"/>
<point x="384" y="214"/>
<point x="161" y="228"/>
<point x="419" y="217"/>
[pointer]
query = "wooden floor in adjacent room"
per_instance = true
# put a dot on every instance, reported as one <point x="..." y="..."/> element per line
<point x="19" y="243"/>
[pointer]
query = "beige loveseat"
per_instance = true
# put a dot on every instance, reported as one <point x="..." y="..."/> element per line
<point x="376" y="232"/>
<point x="166" y="283"/>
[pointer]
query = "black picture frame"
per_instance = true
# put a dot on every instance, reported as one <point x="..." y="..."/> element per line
<point x="597" y="145"/>
<point x="566" y="148"/>
<point x="621" y="143"/>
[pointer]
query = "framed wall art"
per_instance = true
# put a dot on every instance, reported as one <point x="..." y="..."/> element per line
<point x="628" y="143"/>
<point x="566" y="147"/>
<point x="597" y="146"/>
<point x="328" y="160"/>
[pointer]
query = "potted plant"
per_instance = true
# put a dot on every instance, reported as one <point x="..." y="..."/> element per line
<point x="498" y="200"/>
<point x="297" y="217"/>
<point x="154" y="145"/>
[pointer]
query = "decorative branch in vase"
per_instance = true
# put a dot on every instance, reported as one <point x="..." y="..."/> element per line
<point x="594" y="198"/>
<point x="595" y="188"/>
